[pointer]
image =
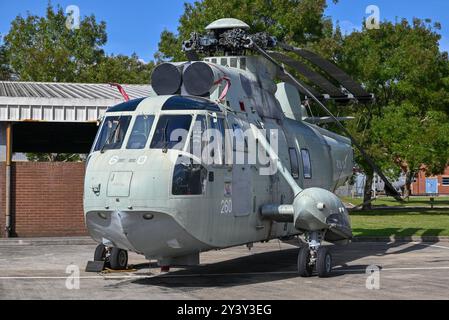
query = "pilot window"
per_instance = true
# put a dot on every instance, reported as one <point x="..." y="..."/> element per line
<point x="140" y="133"/>
<point x="171" y="132"/>
<point x="294" y="163"/>
<point x="241" y="141"/>
<point x="113" y="133"/>
<point x="307" y="164"/>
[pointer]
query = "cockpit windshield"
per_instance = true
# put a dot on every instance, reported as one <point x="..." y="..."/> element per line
<point x="140" y="133"/>
<point x="171" y="132"/>
<point x="113" y="133"/>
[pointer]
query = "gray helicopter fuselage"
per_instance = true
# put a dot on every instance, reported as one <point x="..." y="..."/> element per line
<point x="135" y="198"/>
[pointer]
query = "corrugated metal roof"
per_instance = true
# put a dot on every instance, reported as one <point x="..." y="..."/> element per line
<point x="69" y="90"/>
<point x="62" y="102"/>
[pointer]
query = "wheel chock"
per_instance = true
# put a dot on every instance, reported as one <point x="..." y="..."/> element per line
<point x="95" y="266"/>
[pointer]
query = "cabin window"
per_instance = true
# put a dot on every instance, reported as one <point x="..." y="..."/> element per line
<point x="307" y="164"/>
<point x="171" y="132"/>
<point x="241" y="141"/>
<point x="113" y="133"/>
<point x="140" y="133"/>
<point x="294" y="163"/>
<point x="189" y="179"/>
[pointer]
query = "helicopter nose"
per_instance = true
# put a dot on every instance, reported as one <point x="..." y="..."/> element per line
<point x="109" y="228"/>
<point x="119" y="184"/>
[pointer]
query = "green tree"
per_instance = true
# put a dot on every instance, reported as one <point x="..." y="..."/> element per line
<point x="402" y="65"/>
<point x="122" y="69"/>
<point x="5" y="69"/>
<point x="44" y="49"/>
<point x="411" y="140"/>
<point x="54" y="157"/>
<point x="294" y="21"/>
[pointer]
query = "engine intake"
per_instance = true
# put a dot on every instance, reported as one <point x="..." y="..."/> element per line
<point x="167" y="78"/>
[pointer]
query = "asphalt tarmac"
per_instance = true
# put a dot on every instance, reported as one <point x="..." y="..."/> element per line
<point x="49" y="270"/>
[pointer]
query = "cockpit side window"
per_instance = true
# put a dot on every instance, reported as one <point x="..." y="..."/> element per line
<point x="197" y="141"/>
<point x="140" y="133"/>
<point x="218" y="136"/>
<point x="113" y="133"/>
<point x="189" y="179"/>
<point x="171" y="132"/>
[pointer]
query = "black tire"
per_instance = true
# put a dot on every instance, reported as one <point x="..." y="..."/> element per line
<point x="324" y="263"/>
<point x="305" y="270"/>
<point x="118" y="259"/>
<point x="100" y="253"/>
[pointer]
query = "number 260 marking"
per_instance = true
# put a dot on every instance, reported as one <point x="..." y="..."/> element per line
<point x="226" y="206"/>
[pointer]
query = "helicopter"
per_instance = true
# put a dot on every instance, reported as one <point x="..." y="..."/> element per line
<point x="222" y="154"/>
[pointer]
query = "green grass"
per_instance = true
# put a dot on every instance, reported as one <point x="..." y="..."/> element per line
<point x="391" y="202"/>
<point x="401" y="224"/>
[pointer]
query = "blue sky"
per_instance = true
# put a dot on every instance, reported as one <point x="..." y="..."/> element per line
<point x="135" y="25"/>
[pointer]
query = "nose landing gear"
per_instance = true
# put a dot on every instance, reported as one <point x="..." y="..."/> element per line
<point x="314" y="256"/>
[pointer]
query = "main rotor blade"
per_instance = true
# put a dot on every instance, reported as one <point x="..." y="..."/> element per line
<point x="284" y="78"/>
<point x="309" y="74"/>
<point x="335" y="72"/>
<point x="323" y="120"/>
<point x="390" y="190"/>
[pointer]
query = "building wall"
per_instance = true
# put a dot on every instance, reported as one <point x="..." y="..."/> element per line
<point x="47" y="199"/>
<point x="2" y="199"/>
<point x="419" y="187"/>
<point x="16" y="156"/>
<point x="2" y="141"/>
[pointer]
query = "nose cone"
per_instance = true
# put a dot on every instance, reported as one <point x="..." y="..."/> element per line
<point x="153" y="233"/>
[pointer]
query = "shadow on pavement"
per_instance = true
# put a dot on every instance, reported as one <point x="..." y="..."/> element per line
<point x="274" y="266"/>
<point x="256" y="268"/>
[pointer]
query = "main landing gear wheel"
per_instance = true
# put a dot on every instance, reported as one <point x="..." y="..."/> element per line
<point x="118" y="259"/>
<point x="100" y="253"/>
<point x="305" y="266"/>
<point x="324" y="263"/>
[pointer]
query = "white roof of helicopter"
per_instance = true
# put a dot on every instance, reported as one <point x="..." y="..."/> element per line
<point x="227" y="23"/>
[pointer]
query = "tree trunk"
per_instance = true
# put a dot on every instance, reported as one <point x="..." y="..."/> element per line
<point x="367" y="193"/>
<point x="408" y="184"/>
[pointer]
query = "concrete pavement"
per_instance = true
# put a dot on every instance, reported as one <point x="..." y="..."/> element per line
<point x="408" y="271"/>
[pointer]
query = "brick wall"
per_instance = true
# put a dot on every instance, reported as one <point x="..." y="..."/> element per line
<point x="419" y="187"/>
<point x="47" y="199"/>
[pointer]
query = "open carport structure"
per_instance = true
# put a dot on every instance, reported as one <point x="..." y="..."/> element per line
<point x="36" y="198"/>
